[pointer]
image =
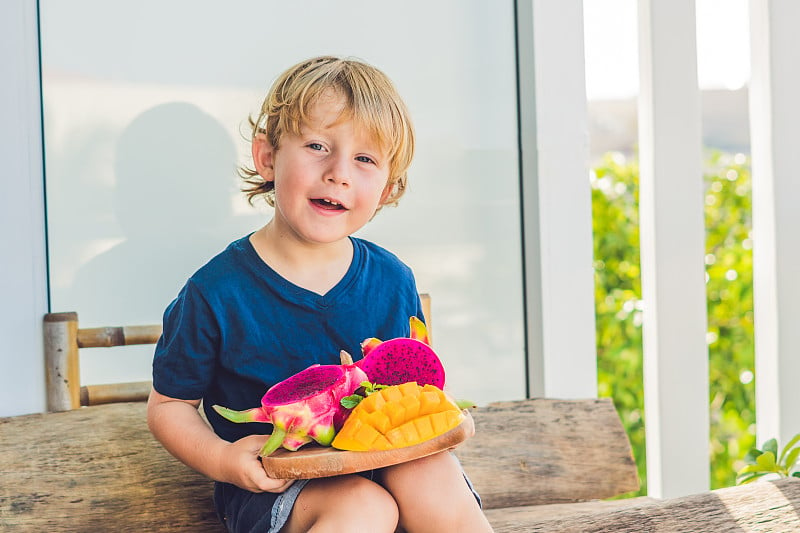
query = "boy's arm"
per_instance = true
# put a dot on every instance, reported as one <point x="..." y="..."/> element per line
<point x="180" y="429"/>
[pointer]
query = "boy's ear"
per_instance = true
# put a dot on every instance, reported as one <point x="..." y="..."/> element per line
<point x="387" y="191"/>
<point x="263" y="157"/>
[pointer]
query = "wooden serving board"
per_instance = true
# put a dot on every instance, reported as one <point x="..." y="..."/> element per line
<point x="313" y="461"/>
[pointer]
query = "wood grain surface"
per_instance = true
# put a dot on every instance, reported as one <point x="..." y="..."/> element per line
<point x="548" y="451"/>
<point x="764" y="506"/>
<point x="97" y="469"/>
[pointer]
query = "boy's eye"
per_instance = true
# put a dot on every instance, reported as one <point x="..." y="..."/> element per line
<point x="364" y="159"/>
<point x="315" y="146"/>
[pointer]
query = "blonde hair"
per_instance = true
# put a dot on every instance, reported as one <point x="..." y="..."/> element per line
<point x="371" y="101"/>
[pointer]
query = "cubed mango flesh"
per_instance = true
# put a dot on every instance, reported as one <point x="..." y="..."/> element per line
<point x="398" y="416"/>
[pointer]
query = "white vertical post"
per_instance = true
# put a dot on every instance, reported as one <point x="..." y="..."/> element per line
<point x="23" y="283"/>
<point x="556" y="199"/>
<point x="672" y="249"/>
<point x="774" y="118"/>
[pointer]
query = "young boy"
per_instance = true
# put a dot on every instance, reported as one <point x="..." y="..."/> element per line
<point x="331" y="146"/>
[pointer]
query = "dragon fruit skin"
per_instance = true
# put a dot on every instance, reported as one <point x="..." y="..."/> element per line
<point x="403" y="359"/>
<point x="304" y="407"/>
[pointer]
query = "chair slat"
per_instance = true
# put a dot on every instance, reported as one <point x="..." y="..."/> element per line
<point x="134" y="391"/>
<point x="118" y="336"/>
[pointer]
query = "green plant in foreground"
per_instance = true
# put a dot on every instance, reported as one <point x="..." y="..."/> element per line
<point x="768" y="461"/>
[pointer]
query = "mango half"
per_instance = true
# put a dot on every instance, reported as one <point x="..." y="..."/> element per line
<point x="398" y="416"/>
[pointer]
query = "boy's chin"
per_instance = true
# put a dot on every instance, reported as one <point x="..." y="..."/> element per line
<point x="322" y="238"/>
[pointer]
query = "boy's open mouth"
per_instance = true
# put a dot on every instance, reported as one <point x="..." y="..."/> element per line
<point x="326" y="203"/>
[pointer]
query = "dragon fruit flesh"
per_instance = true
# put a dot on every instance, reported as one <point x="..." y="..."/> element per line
<point x="304" y="407"/>
<point x="404" y="359"/>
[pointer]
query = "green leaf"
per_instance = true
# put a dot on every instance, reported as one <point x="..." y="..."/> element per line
<point x="796" y="474"/>
<point x="752" y="469"/>
<point x="771" y="446"/>
<point x="752" y="455"/>
<point x="791" y="459"/>
<point x="788" y="446"/>
<point x="767" y="461"/>
<point x="465" y="404"/>
<point x="370" y="387"/>
<point x="348" y="402"/>
<point x="747" y="478"/>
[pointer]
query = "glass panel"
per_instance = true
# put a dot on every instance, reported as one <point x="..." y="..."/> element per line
<point x="145" y="104"/>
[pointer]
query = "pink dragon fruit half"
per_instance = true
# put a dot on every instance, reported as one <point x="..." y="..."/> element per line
<point x="304" y="407"/>
<point x="403" y="359"/>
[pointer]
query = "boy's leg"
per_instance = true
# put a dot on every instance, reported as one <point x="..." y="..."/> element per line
<point x="349" y="503"/>
<point x="433" y="495"/>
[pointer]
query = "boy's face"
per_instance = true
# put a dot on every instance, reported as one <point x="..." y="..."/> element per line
<point x="329" y="179"/>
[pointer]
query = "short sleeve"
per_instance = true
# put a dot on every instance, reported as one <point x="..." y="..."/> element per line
<point x="185" y="355"/>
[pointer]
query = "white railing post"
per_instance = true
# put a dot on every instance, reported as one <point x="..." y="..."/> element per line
<point x="556" y="199"/>
<point x="774" y="119"/>
<point x="672" y="249"/>
<point x="23" y="272"/>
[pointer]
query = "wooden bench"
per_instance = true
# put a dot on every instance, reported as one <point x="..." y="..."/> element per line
<point x="538" y="465"/>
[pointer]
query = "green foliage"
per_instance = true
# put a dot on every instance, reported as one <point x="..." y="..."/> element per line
<point x="729" y="267"/>
<point x="366" y="388"/>
<point x="615" y="224"/>
<point x="615" y="186"/>
<point x="767" y="461"/>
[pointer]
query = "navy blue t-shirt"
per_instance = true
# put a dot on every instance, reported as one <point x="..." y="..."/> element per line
<point x="237" y="327"/>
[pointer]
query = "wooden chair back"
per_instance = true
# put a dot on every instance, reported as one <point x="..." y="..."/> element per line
<point x="64" y="339"/>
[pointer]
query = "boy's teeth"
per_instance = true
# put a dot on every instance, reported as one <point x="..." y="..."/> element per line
<point x="330" y="204"/>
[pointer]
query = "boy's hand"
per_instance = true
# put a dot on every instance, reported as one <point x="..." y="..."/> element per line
<point x="243" y="468"/>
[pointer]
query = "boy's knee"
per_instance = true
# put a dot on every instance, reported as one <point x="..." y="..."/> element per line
<point x="432" y="490"/>
<point x="368" y="497"/>
<point x="351" y="502"/>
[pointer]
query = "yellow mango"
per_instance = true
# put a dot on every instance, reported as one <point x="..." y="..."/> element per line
<point x="410" y="389"/>
<point x="410" y="433"/>
<point x="439" y="421"/>
<point x="398" y="416"/>
<point x="411" y="405"/>
<point x="395" y="412"/>
<point x="391" y="394"/>
<point x="428" y="402"/>
<point x="376" y="402"/>
<point x="380" y="421"/>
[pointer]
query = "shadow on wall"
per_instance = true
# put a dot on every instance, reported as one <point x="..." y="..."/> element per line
<point x="173" y="166"/>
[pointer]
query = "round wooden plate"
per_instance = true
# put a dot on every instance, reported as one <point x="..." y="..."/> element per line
<point x="313" y="461"/>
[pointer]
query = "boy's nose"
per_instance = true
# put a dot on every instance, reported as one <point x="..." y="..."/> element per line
<point x="338" y="172"/>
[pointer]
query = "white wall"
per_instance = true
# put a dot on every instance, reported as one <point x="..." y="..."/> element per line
<point x="23" y="287"/>
<point x="142" y="133"/>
